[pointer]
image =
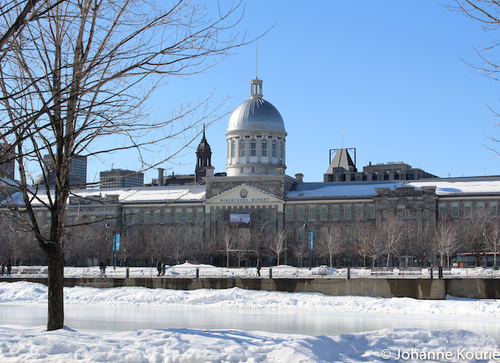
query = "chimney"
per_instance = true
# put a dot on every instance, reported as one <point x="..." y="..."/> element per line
<point x="299" y="177"/>
<point x="160" y="176"/>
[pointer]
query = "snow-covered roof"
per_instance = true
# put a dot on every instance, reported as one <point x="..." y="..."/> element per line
<point x="149" y="194"/>
<point x="183" y="193"/>
<point x="444" y="187"/>
<point x="341" y="189"/>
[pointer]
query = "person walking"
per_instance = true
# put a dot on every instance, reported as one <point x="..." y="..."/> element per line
<point x="259" y="266"/>
<point x="158" y="267"/>
<point x="163" y="267"/>
<point x="3" y="268"/>
<point x="102" y="266"/>
<point x="9" y="268"/>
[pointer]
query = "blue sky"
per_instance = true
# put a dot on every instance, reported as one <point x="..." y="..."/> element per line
<point x="389" y="73"/>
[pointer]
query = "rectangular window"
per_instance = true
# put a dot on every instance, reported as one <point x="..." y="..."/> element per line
<point x="253" y="148"/>
<point x="480" y="207"/>
<point x="300" y="212"/>
<point x="335" y="212"/>
<point x="405" y="213"/>
<point x="371" y="211"/>
<point x="493" y="209"/>
<point x="442" y="210"/>
<point x="200" y="214"/>
<point x="385" y="214"/>
<point x="454" y="209"/>
<point x="359" y="212"/>
<point x="129" y="218"/>
<point x="274" y="215"/>
<point x="289" y="213"/>
<point x="178" y="215"/>
<point x="264" y="148"/>
<point x="301" y="233"/>
<point x="147" y="216"/>
<point x="137" y="216"/>
<point x="168" y="215"/>
<point x="213" y="215"/>
<point x="312" y="212"/>
<point x="313" y="232"/>
<point x="189" y="214"/>
<point x="467" y="209"/>
<point x="274" y="149"/>
<point x="324" y="212"/>
<point x="426" y="213"/>
<point x="347" y="212"/>
<point x="157" y="216"/>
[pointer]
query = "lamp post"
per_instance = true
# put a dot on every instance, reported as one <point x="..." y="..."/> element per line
<point x="115" y="245"/>
<point x="309" y="242"/>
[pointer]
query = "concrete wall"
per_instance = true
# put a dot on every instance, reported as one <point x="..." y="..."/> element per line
<point x="380" y="287"/>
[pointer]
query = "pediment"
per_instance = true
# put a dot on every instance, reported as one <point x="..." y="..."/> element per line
<point x="243" y="195"/>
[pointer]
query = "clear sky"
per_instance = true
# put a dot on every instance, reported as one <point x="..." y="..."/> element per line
<point x="390" y="73"/>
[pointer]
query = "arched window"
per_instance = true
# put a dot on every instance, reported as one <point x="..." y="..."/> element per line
<point x="233" y="149"/>
<point x="242" y="147"/>
<point x="253" y="148"/>
<point x="264" y="148"/>
<point x="281" y="150"/>
<point x="274" y="149"/>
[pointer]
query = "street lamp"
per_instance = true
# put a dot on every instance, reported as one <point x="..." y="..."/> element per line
<point x="115" y="245"/>
<point x="309" y="242"/>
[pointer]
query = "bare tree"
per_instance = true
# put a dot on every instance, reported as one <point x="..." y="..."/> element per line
<point x="278" y="244"/>
<point x="390" y="234"/>
<point x="493" y="239"/>
<point x="473" y="228"/>
<point x="82" y="71"/>
<point x="331" y="242"/>
<point x="446" y="240"/>
<point x="487" y="13"/>
<point x="227" y="241"/>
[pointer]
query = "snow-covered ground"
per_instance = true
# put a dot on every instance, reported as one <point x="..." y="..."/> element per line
<point x="35" y="344"/>
<point x="208" y="271"/>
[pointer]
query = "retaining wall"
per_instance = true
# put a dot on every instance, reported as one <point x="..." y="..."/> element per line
<point x="380" y="287"/>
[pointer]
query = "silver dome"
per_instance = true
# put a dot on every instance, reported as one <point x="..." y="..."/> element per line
<point x="256" y="113"/>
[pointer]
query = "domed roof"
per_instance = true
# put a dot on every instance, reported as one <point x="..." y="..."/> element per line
<point x="256" y="113"/>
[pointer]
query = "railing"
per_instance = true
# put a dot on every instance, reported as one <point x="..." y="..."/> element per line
<point x="204" y="271"/>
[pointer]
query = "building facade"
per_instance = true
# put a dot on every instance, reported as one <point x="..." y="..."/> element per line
<point x="247" y="208"/>
<point x="120" y="178"/>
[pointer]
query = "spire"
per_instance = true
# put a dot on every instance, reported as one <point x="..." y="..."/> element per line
<point x="256" y="88"/>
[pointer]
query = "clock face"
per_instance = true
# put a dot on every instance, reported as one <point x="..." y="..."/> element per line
<point x="243" y="193"/>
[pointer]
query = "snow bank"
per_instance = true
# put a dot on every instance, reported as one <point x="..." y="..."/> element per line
<point x="190" y="346"/>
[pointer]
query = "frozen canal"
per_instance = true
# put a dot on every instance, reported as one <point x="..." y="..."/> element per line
<point x="95" y="318"/>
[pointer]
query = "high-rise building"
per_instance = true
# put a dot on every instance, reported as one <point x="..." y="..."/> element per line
<point x="120" y="178"/>
<point x="7" y="162"/>
<point x="77" y="172"/>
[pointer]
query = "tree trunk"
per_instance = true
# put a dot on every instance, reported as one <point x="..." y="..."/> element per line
<point x="55" y="282"/>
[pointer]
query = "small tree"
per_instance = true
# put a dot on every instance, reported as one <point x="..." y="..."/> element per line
<point x="390" y="235"/>
<point x="330" y="242"/>
<point x="278" y="244"/>
<point x="446" y="240"/>
<point x="493" y="240"/>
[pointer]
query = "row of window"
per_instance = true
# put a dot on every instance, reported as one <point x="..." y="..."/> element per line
<point x="167" y="215"/>
<point x="481" y="208"/>
<point x="253" y="148"/>
<point x="336" y="211"/>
